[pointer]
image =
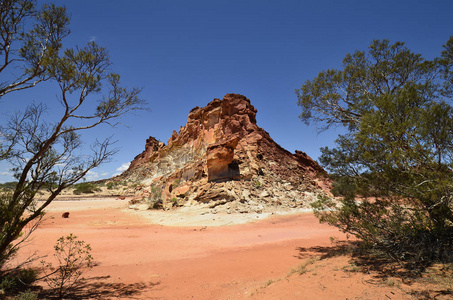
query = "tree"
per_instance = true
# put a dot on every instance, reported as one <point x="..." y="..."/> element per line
<point x="393" y="166"/>
<point x="29" y="51"/>
<point x="45" y="154"/>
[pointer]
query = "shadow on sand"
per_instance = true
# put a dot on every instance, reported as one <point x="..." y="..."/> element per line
<point x="383" y="267"/>
<point x="94" y="288"/>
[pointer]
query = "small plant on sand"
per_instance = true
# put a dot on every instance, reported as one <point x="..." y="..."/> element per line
<point x="74" y="258"/>
<point x="302" y="268"/>
<point x="390" y="282"/>
<point x="352" y="268"/>
<point x="269" y="282"/>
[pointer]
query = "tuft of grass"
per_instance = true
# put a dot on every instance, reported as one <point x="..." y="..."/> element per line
<point x="352" y="267"/>
<point x="269" y="282"/>
<point x="175" y="183"/>
<point x="303" y="268"/>
<point x="390" y="282"/>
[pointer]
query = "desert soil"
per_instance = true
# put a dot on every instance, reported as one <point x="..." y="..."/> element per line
<point x="197" y="255"/>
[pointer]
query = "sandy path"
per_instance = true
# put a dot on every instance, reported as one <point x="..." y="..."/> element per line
<point x="140" y="260"/>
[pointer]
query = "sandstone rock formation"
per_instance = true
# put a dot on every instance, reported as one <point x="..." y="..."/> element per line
<point x="223" y="158"/>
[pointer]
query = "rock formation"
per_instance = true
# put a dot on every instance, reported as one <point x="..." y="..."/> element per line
<point x="223" y="158"/>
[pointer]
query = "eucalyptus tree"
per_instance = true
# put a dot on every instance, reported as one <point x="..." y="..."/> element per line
<point x="393" y="165"/>
<point x="45" y="154"/>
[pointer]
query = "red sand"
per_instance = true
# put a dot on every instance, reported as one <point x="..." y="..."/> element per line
<point x="139" y="260"/>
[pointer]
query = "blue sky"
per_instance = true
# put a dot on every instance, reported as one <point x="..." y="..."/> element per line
<point x="186" y="53"/>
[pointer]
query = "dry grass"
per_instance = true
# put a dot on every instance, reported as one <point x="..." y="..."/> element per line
<point x="303" y="268"/>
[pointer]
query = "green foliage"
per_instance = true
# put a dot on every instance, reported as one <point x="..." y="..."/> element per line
<point x="8" y="185"/>
<point x="17" y="280"/>
<point x="7" y="213"/>
<point x="155" y="199"/>
<point x="175" y="183"/>
<point x="74" y="258"/>
<point x="393" y="165"/>
<point x="85" y="188"/>
<point x="27" y="295"/>
<point x="112" y="185"/>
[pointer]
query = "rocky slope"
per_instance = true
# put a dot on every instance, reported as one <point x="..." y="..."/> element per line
<point x="222" y="158"/>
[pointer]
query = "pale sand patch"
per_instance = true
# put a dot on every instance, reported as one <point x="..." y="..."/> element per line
<point x="195" y="215"/>
<point x="85" y="204"/>
<point x="200" y="215"/>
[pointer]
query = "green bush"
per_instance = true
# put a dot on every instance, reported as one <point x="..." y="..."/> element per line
<point x="8" y="185"/>
<point x="155" y="199"/>
<point x="18" y="280"/>
<point x="85" y="188"/>
<point x="111" y="185"/>
<point x="393" y="163"/>
<point x="27" y="295"/>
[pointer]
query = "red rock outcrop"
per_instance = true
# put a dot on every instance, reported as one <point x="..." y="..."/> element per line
<point x="222" y="155"/>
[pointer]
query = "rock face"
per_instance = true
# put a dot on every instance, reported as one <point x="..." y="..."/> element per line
<point x="222" y="156"/>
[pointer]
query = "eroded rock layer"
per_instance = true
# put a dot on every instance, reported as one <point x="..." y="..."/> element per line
<point x="222" y="156"/>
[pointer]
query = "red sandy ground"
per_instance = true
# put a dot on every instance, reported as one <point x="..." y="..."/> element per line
<point x="139" y="260"/>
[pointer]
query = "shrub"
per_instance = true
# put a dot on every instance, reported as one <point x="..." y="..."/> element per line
<point x="8" y="185"/>
<point x="85" y="188"/>
<point x="155" y="199"/>
<point x="18" y="280"/>
<point x="73" y="257"/>
<point x="27" y="295"/>
<point x="111" y="185"/>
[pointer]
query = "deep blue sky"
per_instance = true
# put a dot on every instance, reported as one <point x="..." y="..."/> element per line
<point x="186" y="53"/>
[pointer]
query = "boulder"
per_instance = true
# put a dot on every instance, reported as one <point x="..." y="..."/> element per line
<point x="222" y="155"/>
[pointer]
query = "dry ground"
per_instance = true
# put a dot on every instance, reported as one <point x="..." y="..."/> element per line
<point x="278" y="257"/>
